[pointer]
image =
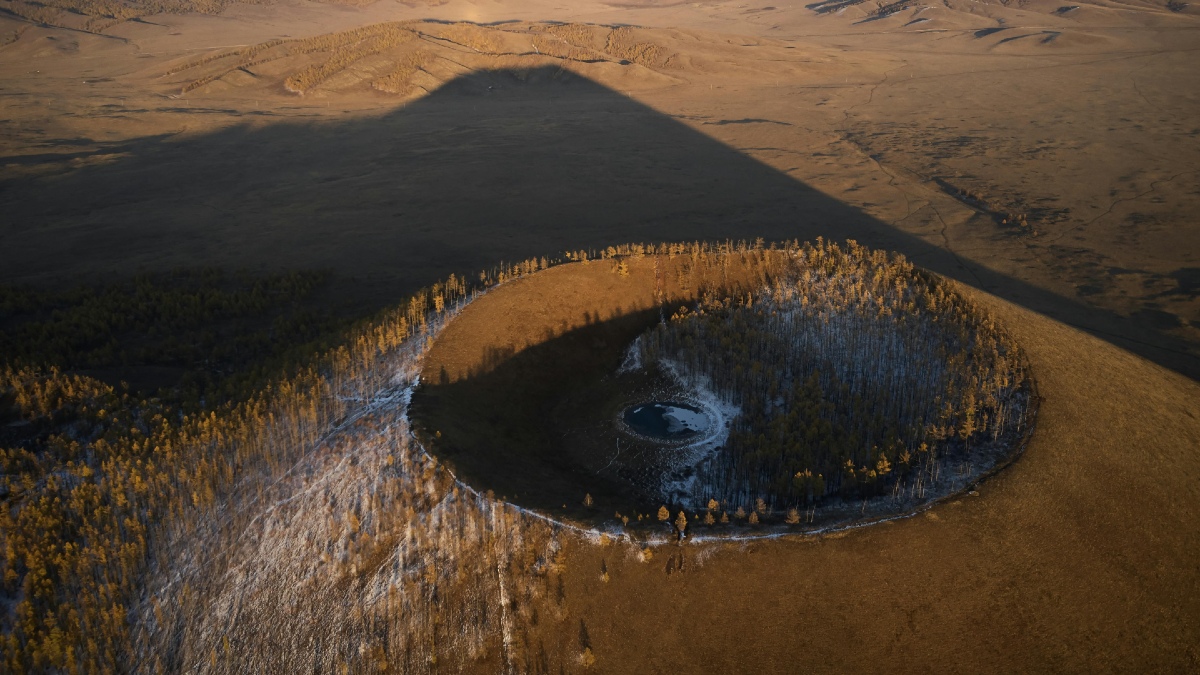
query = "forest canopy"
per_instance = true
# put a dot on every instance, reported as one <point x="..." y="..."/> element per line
<point x="99" y="481"/>
<point x="855" y="371"/>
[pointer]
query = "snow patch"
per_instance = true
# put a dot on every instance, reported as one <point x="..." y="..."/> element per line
<point x="679" y="484"/>
<point x="633" y="357"/>
<point x="680" y="420"/>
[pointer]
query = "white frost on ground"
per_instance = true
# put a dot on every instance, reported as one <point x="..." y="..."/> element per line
<point x="679" y="484"/>
<point x="363" y="533"/>
<point x="680" y="420"/>
<point x="360" y="542"/>
<point x="633" y="357"/>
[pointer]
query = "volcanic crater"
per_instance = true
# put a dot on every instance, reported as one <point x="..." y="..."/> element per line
<point x="793" y="387"/>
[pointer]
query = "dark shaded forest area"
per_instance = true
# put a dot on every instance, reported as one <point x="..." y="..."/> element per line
<point x="190" y="336"/>
<point x="855" y="371"/>
<point x="93" y="473"/>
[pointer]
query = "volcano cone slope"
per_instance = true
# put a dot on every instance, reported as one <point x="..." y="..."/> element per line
<point x="1080" y="556"/>
<point x="502" y="373"/>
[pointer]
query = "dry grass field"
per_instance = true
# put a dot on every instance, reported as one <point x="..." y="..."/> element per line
<point x="1078" y="557"/>
<point x="1042" y="155"/>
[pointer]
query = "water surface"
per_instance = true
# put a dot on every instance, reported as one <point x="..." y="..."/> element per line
<point x="668" y="420"/>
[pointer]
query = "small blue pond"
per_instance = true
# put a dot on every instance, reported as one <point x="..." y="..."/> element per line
<point x="667" y="420"/>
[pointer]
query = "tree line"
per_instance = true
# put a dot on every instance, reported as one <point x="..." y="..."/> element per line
<point x="217" y="330"/>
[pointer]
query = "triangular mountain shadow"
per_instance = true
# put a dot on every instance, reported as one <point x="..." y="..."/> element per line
<point x="495" y="165"/>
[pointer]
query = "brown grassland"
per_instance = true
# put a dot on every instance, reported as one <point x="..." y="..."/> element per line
<point x="228" y="231"/>
<point x="1054" y="564"/>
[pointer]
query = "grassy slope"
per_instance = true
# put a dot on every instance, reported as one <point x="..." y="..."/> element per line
<point x="540" y="352"/>
<point x="1079" y="557"/>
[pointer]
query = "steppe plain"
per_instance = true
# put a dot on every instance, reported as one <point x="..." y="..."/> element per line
<point x="1043" y="154"/>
